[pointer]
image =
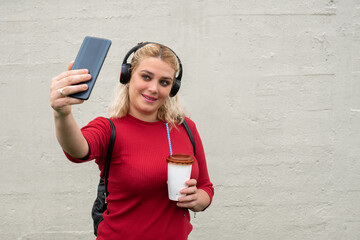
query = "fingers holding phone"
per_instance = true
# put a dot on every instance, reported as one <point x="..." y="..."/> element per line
<point x="65" y="84"/>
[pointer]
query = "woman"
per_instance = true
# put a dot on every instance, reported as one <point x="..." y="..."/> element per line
<point x="138" y="204"/>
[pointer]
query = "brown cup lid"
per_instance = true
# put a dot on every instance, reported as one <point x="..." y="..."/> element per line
<point x="181" y="159"/>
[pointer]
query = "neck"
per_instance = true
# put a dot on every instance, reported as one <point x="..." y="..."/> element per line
<point x="145" y="118"/>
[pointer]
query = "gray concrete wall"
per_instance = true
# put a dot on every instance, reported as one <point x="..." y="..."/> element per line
<point x="274" y="87"/>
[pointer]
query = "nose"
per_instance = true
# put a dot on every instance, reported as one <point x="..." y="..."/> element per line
<point x="153" y="86"/>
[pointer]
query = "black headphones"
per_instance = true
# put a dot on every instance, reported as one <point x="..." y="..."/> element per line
<point x="126" y="69"/>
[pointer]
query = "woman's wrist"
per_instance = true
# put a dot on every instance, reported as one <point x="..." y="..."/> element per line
<point x="60" y="114"/>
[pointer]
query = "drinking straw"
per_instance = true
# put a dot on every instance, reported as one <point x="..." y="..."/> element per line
<point x="168" y="134"/>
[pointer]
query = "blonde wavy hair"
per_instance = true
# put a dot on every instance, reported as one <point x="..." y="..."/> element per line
<point x="171" y="112"/>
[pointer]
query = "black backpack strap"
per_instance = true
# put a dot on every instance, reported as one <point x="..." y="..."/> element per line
<point x="108" y="155"/>
<point x="190" y="135"/>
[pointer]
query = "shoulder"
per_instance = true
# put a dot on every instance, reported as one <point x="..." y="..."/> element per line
<point x="106" y="121"/>
<point x="190" y="123"/>
<point x="99" y="121"/>
<point x="98" y="124"/>
<point x="192" y="126"/>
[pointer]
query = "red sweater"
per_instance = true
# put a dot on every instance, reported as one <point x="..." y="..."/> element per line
<point x="138" y="203"/>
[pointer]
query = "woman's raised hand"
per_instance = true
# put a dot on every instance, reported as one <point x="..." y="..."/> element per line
<point x="63" y="85"/>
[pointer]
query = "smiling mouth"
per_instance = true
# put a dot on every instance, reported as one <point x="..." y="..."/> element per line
<point x="148" y="98"/>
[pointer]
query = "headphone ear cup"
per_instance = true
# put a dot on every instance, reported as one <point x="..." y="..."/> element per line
<point x="125" y="73"/>
<point x="175" y="88"/>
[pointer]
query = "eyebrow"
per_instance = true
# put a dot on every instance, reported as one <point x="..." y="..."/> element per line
<point x="152" y="74"/>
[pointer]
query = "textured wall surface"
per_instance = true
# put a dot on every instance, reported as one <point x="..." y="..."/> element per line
<point x="274" y="87"/>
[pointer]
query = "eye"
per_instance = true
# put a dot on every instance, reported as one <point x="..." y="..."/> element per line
<point x="146" y="77"/>
<point x="165" y="83"/>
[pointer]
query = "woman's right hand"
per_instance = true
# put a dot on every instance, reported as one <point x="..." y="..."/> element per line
<point x="63" y="85"/>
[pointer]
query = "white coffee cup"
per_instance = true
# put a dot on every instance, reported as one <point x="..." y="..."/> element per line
<point x="179" y="171"/>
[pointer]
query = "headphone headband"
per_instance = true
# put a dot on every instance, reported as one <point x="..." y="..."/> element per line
<point x="126" y="68"/>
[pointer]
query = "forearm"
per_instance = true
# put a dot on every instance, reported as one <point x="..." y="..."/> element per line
<point x="69" y="136"/>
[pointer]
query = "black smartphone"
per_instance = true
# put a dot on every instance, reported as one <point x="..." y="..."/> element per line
<point x="91" y="56"/>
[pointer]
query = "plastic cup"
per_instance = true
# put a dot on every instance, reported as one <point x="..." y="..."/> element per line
<point x="179" y="171"/>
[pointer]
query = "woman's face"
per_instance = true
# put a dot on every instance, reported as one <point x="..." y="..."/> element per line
<point x="149" y="87"/>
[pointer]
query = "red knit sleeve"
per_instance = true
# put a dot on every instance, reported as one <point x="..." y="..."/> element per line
<point x="203" y="181"/>
<point x="97" y="134"/>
